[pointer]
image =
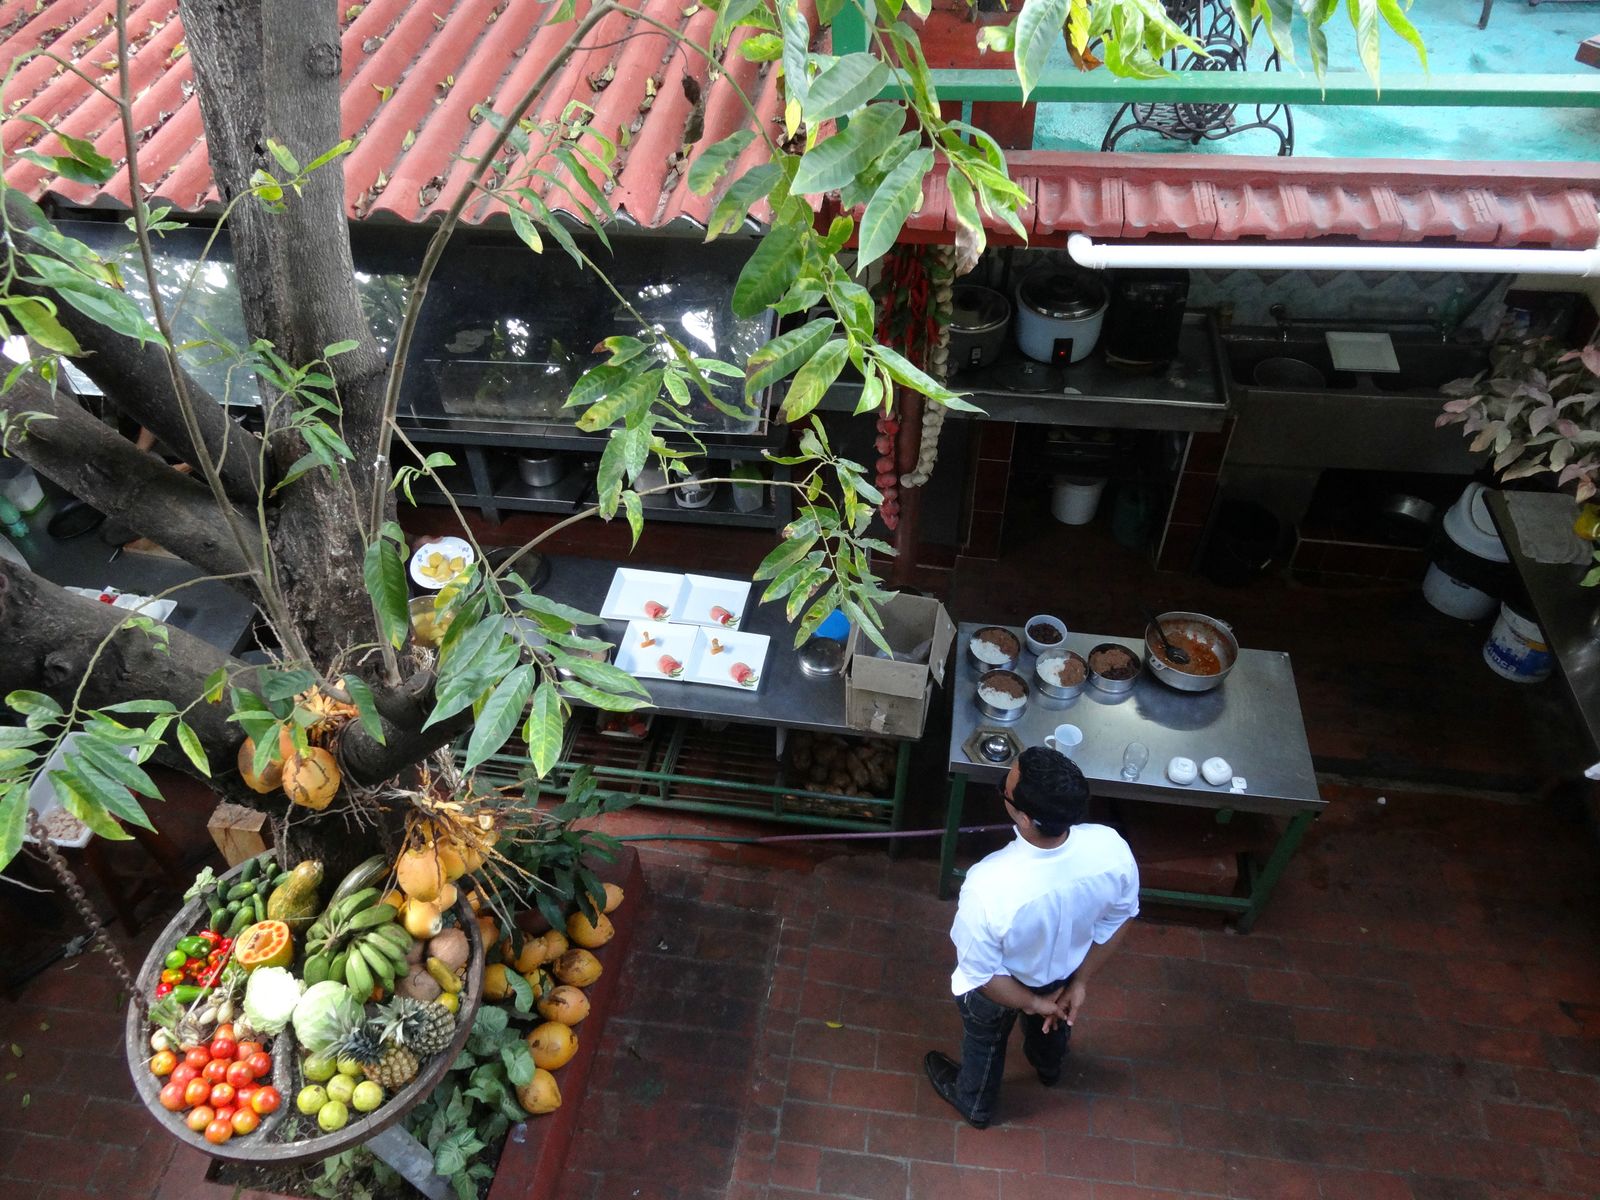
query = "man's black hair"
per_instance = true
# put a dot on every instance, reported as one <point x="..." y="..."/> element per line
<point x="1051" y="790"/>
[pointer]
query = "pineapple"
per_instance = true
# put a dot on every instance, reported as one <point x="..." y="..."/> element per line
<point x="424" y="1027"/>
<point x="389" y="1065"/>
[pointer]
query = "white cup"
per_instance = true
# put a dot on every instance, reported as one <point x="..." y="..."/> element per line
<point x="1065" y="739"/>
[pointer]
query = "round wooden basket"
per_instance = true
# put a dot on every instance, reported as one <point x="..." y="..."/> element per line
<point x="288" y="1138"/>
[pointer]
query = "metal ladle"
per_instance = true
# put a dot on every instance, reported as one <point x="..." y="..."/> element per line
<point x="1176" y="656"/>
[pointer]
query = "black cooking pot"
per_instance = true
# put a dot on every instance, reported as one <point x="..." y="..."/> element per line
<point x="978" y="326"/>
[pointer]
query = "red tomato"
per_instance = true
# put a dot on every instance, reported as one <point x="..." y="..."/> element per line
<point x="164" y="1062"/>
<point x="172" y="1097"/>
<point x="224" y="1031"/>
<point x="218" y="1132"/>
<point x="265" y="1100"/>
<point x="241" y="1095"/>
<point x="182" y="1073"/>
<point x="197" y="1057"/>
<point x="259" y="1064"/>
<point x="216" y="1070"/>
<point x="221" y="1094"/>
<point x="222" y="1047"/>
<point x="196" y="1091"/>
<point x="199" y="1118"/>
<point x="246" y="1121"/>
<point x="239" y="1073"/>
<point x="246" y="1049"/>
<point x="225" y="1113"/>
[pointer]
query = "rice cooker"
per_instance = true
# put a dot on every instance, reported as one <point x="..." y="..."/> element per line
<point x="1059" y="314"/>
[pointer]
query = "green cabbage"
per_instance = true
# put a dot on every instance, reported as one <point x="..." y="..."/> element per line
<point x="325" y="1014"/>
<point x="270" y="999"/>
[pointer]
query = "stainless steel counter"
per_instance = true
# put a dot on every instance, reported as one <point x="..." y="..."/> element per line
<point x="1565" y="612"/>
<point x="1253" y="720"/>
<point x="787" y="697"/>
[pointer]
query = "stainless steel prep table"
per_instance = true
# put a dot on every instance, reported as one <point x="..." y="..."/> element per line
<point x="786" y="699"/>
<point x="1252" y="720"/>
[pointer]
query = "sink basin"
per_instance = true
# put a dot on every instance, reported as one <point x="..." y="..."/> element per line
<point x="1425" y="363"/>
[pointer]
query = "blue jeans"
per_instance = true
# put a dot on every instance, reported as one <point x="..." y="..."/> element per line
<point x="986" y="1027"/>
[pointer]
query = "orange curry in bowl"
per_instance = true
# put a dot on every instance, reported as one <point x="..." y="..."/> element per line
<point x="1203" y="658"/>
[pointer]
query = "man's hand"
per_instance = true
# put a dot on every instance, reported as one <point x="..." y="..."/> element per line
<point x="1072" y="997"/>
<point x="1052" y="1008"/>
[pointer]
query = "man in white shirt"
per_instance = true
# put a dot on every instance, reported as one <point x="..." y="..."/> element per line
<point x="1035" y="921"/>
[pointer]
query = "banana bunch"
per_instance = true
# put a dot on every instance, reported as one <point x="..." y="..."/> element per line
<point x="357" y="943"/>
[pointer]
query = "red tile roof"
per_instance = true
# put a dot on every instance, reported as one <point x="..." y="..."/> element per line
<point x="1215" y="197"/>
<point x="413" y="74"/>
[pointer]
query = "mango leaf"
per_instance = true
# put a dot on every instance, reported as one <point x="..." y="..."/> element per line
<point x="731" y="210"/>
<point x="791" y="550"/>
<point x="77" y="800"/>
<point x="1038" y="29"/>
<point x="634" y="509"/>
<point x="543" y="606"/>
<point x="366" y="706"/>
<point x="38" y="321"/>
<point x="601" y="700"/>
<point x="770" y="272"/>
<point x="500" y="715"/>
<point x="715" y="160"/>
<point x="896" y="199"/>
<point x="543" y="729"/>
<point x="845" y="86"/>
<point x="1395" y="15"/>
<point x="1364" y="16"/>
<point x="13" y="821"/>
<point x="189" y="743"/>
<point x="602" y="675"/>
<point x="632" y="399"/>
<point x="837" y="160"/>
<point x="814" y="379"/>
<point x="385" y="577"/>
<point x="786" y="352"/>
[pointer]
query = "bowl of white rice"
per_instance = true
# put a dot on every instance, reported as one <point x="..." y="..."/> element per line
<point x="995" y="647"/>
<point x="1002" y="695"/>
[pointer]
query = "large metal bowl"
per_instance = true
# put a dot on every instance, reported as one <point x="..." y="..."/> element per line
<point x="1208" y="631"/>
<point x="1058" y="691"/>
<point x="1004" y="665"/>
<point x="990" y="710"/>
<point x="1113" y="687"/>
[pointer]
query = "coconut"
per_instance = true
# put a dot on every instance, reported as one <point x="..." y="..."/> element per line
<point x="418" y="985"/>
<point x="451" y="948"/>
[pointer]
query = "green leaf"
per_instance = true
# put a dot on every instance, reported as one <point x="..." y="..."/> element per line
<point x="522" y="1001"/>
<point x="792" y="549"/>
<point x="763" y="47"/>
<point x="631" y="400"/>
<point x="13" y="822"/>
<point x="633" y="507"/>
<point x="895" y="200"/>
<point x="500" y="715"/>
<point x="838" y="160"/>
<point x="38" y="321"/>
<point x="1395" y="15"/>
<point x="110" y="760"/>
<point x="554" y="609"/>
<point x="770" y="272"/>
<point x="1364" y="16"/>
<point x="736" y="202"/>
<point x="189" y="742"/>
<point x="786" y="352"/>
<point x="602" y="700"/>
<point x="211" y="690"/>
<point x="796" y="53"/>
<point x="845" y="86"/>
<point x="385" y="577"/>
<point x="366" y="706"/>
<point x="1038" y="30"/>
<point x="75" y="797"/>
<point x="715" y="160"/>
<point x="812" y="381"/>
<point x="791" y="575"/>
<point x="908" y="374"/>
<point x="602" y="675"/>
<point x="543" y="730"/>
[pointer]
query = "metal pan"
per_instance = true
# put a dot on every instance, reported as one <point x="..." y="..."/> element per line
<point x="1215" y="634"/>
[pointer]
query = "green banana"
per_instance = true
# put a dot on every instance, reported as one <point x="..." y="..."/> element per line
<point x="353" y="904"/>
<point x="382" y="968"/>
<point x="370" y="918"/>
<point x="364" y="875"/>
<point x="317" y="934"/>
<point x="316" y="968"/>
<point x="396" y="935"/>
<point x="383" y="946"/>
<point x="358" y="977"/>
<point x="336" y="969"/>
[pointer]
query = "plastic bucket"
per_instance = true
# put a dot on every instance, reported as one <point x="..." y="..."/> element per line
<point x="1455" y="597"/>
<point x="1245" y="538"/>
<point x="1516" y="648"/>
<point x="1074" y="498"/>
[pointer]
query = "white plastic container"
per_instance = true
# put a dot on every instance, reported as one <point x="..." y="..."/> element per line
<point x="1516" y="649"/>
<point x="1453" y="597"/>
<point x="1470" y="528"/>
<point x="1074" y="498"/>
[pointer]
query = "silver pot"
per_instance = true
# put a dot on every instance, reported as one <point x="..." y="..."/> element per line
<point x="990" y="710"/>
<point x="1054" y="690"/>
<point x="1113" y="687"/>
<point x="541" y="470"/>
<point x="978" y="325"/>
<point x="1215" y="634"/>
<point x="1005" y="664"/>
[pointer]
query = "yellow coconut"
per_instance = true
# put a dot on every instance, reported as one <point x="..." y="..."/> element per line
<point x="540" y="1094"/>
<point x="553" y="1045"/>
<point x="450" y="859"/>
<point x="591" y="935"/>
<point x="421" y="918"/>
<point x="566" y="1004"/>
<point x="396" y="898"/>
<point x="577" y="967"/>
<point x="271" y="776"/>
<point x="496" y="982"/>
<point x="446" y="899"/>
<point x="489" y="931"/>
<point x="419" y="874"/>
<point x="614" y="895"/>
<point x="311" y="779"/>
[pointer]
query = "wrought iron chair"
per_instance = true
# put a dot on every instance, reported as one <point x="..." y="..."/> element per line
<point x="1213" y="24"/>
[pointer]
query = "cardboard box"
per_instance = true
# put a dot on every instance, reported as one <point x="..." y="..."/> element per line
<point x="892" y="696"/>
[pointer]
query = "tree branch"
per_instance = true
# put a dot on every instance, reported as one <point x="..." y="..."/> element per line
<point x="98" y="465"/>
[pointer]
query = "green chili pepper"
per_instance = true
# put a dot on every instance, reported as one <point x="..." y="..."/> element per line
<point x="188" y="993"/>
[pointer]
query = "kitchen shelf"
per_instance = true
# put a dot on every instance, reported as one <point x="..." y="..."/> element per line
<point x="465" y="431"/>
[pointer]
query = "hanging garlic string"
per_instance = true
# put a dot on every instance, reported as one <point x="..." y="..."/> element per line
<point x="942" y="277"/>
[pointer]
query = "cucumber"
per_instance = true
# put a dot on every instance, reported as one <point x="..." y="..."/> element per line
<point x="258" y="906"/>
<point x="248" y="871"/>
<point x="242" y="920"/>
<point x="370" y="873"/>
<point x="219" y="917"/>
<point x="241" y="891"/>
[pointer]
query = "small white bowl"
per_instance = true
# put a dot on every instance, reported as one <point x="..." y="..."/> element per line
<point x="1044" y="647"/>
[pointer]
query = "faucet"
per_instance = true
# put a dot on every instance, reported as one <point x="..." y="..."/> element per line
<point x="1280" y="314"/>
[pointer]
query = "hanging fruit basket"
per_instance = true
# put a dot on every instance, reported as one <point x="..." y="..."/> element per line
<point x="286" y="1136"/>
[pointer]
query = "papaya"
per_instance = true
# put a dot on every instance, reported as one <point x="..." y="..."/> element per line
<point x="294" y="901"/>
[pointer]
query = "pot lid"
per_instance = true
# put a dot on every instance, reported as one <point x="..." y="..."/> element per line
<point x="821" y="657"/>
<point x="977" y="309"/>
<point x="1062" y="296"/>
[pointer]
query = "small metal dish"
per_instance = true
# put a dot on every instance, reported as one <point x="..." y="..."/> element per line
<point x="1007" y="664"/>
<point x="999" y="678"/>
<point x="1114" y="687"/>
<point x="980" y="746"/>
<point x="1058" y="691"/>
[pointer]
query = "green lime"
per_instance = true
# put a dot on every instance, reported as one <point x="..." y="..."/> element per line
<point x="311" y="1099"/>
<point x="368" y="1095"/>
<point x="332" y="1115"/>
<point x="341" y="1088"/>
<point x="349" y="1066"/>
<point x="319" y="1068"/>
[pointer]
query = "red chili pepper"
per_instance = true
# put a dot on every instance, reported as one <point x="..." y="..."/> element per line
<point x="210" y="935"/>
<point x="171" y="976"/>
<point x="163" y="989"/>
<point x="225" y="944"/>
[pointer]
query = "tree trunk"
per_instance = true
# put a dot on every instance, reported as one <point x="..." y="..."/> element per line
<point x="269" y="70"/>
<point x="99" y="466"/>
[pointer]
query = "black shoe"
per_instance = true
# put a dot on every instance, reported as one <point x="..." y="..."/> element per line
<point x="942" y="1071"/>
<point x="1049" y="1078"/>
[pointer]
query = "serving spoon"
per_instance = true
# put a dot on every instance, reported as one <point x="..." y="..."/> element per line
<point x="1177" y="656"/>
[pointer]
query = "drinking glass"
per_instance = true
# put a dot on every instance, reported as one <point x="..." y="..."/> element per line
<point x="1134" y="759"/>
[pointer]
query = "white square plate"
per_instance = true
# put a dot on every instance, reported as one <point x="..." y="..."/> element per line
<point x="707" y="592"/>
<point x="632" y="589"/>
<point x="747" y="648"/>
<point x="1361" y="351"/>
<point x="644" y="662"/>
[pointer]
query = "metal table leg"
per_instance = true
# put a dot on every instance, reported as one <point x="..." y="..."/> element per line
<point x="952" y="824"/>
<point x="1261" y="892"/>
<point x="897" y="815"/>
<point x="411" y="1159"/>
